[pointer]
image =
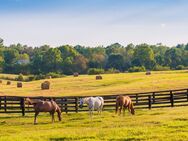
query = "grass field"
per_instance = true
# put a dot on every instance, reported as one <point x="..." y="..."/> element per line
<point x="111" y="84"/>
<point x="167" y="124"/>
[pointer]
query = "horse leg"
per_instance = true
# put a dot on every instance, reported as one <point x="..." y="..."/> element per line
<point x="120" y="110"/>
<point x="117" y="106"/>
<point x="101" y="108"/>
<point x="35" y="119"/>
<point x="53" y="119"/>
<point x="129" y="109"/>
<point x="90" y="113"/>
<point x="124" y="110"/>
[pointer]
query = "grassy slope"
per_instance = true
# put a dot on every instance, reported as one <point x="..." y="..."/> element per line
<point x="156" y="124"/>
<point x="111" y="84"/>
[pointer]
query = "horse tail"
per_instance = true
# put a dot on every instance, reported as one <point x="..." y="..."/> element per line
<point x="117" y="104"/>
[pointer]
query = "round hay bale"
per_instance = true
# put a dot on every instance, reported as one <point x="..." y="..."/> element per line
<point x="76" y="74"/>
<point x="8" y="82"/>
<point x="148" y="73"/>
<point x="19" y="85"/>
<point x="1" y="81"/>
<point x="45" y="85"/>
<point x="98" y="77"/>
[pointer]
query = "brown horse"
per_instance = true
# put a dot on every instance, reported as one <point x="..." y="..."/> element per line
<point x="124" y="102"/>
<point x="44" y="106"/>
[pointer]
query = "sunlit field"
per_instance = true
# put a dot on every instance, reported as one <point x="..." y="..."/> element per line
<point x="110" y="84"/>
<point x="156" y="124"/>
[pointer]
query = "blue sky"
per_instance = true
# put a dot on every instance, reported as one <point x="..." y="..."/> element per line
<point x="93" y="22"/>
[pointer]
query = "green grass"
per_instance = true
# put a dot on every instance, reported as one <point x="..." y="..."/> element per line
<point x="111" y="84"/>
<point x="156" y="124"/>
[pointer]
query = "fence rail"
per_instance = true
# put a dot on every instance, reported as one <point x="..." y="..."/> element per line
<point x="157" y="99"/>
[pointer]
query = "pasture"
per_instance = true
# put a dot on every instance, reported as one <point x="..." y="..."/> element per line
<point x="169" y="124"/>
<point x="110" y="84"/>
<point x="156" y="124"/>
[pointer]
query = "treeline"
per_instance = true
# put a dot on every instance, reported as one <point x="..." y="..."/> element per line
<point x="68" y="59"/>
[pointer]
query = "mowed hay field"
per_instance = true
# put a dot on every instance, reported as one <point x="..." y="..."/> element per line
<point x="121" y="83"/>
<point x="167" y="124"/>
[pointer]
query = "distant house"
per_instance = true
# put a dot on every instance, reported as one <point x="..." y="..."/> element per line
<point x="22" y="61"/>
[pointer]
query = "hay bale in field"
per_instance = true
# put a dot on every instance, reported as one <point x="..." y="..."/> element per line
<point x="49" y="77"/>
<point x="76" y="74"/>
<point x="45" y="85"/>
<point x="1" y="81"/>
<point x="98" y="77"/>
<point x="19" y="85"/>
<point x="8" y="82"/>
<point x="148" y="73"/>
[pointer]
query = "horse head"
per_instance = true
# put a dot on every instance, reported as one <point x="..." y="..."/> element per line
<point x="132" y="110"/>
<point x="81" y="102"/>
<point x="28" y="100"/>
<point x="59" y="113"/>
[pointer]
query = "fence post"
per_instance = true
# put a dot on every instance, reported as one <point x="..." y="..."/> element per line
<point x="62" y="100"/>
<point x="5" y="103"/>
<point x="171" y="99"/>
<point x="22" y="106"/>
<point x="153" y="97"/>
<point x="76" y="104"/>
<point x="149" y="101"/>
<point x="136" y="98"/>
<point x="0" y="103"/>
<point x="66" y="108"/>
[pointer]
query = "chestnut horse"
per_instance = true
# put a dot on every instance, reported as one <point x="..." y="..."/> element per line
<point x="124" y="102"/>
<point x="44" y="106"/>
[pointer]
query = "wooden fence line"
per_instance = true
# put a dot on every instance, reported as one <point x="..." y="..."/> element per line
<point x="149" y="100"/>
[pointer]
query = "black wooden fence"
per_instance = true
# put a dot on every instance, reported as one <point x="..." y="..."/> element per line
<point x="157" y="99"/>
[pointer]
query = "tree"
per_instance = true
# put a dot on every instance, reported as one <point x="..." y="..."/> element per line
<point x="1" y="61"/>
<point x="173" y="57"/>
<point x="116" y="61"/>
<point x="67" y="51"/>
<point x="52" y="60"/>
<point x="80" y="64"/>
<point x="97" y="61"/>
<point x="114" y="49"/>
<point x="37" y="63"/>
<point x="67" y="66"/>
<point x="186" y="46"/>
<point x="10" y="56"/>
<point x="144" y="56"/>
<point x="128" y="56"/>
<point x="1" y="42"/>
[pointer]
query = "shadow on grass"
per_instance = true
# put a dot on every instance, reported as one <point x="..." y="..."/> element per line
<point x="128" y="139"/>
<point x="71" y="138"/>
<point x="181" y="119"/>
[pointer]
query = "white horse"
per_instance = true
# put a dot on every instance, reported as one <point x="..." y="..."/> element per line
<point x="93" y="103"/>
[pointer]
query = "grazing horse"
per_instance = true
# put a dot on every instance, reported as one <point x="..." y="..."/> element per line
<point x="124" y="102"/>
<point x="45" y="106"/>
<point x="93" y="103"/>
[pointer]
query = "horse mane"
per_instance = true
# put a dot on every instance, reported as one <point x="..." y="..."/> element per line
<point x="85" y="100"/>
<point x="32" y="101"/>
